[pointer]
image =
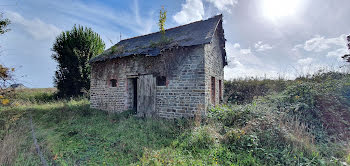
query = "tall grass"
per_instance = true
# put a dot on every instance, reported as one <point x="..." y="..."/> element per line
<point x="270" y="122"/>
<point x="70" y="133"/>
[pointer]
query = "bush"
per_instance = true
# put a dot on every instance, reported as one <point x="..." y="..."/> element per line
<point x="232" y="115"/>
<point x="233" y="136"/>
<point x="202" y="138"/>
<point x="40" y="95"/>
<point x="301" y="92"/>
<point x="242" y="91"/>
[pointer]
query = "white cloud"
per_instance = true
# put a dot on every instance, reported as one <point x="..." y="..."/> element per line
<point x="305" y="61"/>
<point x="38" y="29"/>
<point x="260" y="46"/>
<point x="297" y="47"/>
<point x="243" y="63"/>
<point x="330" y="47"/>
<point x="338" y="53"/>
<point x="224" y="5"/>
<point x="320" y="43"/>
<point x="243" y="55"/>
<point x="192" y="10"/>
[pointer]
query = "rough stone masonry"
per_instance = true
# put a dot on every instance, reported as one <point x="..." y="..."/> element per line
<point x="179" y="75"/>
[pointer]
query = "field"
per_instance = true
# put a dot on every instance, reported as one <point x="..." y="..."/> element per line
<point x="265" y="122"/>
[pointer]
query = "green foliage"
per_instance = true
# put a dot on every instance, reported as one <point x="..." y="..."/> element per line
<point x="116" y="49"/>
<point x="162" y="19"/>
<point x="73" y="50"/>
<point x="32" y="96"/>
<point x="201" y="138"/>
<point x="233" y="136"/>
<point x="161" y="43"/>
<point x="299" y="100"/>
<point x="70" y="133"/>
<point x="301" y="92"/>
<point x="231" y="116"/>
<point x="6" y="78"/>
<point x="242" y="91"/>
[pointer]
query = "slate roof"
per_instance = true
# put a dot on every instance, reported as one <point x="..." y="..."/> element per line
<point x="196" y="33"/>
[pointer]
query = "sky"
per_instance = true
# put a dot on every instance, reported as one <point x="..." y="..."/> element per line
<point x="265" y="38"/>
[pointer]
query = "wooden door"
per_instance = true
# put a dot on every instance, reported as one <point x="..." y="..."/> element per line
<point x="146" y="96"/>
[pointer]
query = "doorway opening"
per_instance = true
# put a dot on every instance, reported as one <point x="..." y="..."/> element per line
<point x="213" y="90"/>
<point x="132" y="94"/>
<point x="134" y="83"/>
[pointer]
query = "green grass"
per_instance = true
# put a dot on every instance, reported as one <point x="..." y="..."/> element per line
<point x="71" y="133"/>
<point x="302" y="123"/>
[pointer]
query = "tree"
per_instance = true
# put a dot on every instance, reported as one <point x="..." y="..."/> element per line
<point x="72" y="50"/>
<point x="6" y="73"/>
<point x="347" y="56"/>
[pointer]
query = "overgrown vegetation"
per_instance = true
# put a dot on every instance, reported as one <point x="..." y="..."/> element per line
<point x="241" y="91"/>
<point x="116" y="49"/>
<point x="300" y="122"/>
<point x="162" y="19"/>
<point x="164" y="41"/>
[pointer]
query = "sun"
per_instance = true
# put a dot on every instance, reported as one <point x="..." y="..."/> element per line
<point x="278" y="9"/>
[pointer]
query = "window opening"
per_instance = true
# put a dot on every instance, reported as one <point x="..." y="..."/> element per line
<point x="161" y="81"/>
<point x="113" y="82"/>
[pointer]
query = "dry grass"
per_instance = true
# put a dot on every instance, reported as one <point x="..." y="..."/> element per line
<point x="291" y="131"/>
<point x="9" y="146"/>
<point x="297" y="134"/>
<point x="198" y="115"/>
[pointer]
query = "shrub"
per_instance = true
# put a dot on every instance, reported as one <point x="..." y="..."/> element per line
<point x="232" y="115"/>
<point x="242" y="91"/>
<point x="301" y="92"/>
<point x="233" y="136"/>
<point x="202" y="138"/>
<point x="40" y="95"/>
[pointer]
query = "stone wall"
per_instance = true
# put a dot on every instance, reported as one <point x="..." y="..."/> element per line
<point x="183" y="93"/>
<point x="214" y="67"/>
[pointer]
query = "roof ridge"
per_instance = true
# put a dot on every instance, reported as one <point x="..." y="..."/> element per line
<point x="219" y="15"/>
<point x="216" y="26"/>
<point x="191" y="34"/>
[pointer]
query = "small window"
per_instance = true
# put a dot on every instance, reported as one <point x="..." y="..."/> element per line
<point x="113" y="82"/>
<point x="161" y="81"/>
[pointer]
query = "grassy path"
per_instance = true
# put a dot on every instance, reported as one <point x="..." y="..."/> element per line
<point x="35" y="141"/>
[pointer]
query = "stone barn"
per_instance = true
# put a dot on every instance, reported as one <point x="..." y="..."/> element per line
<point x="179" y="73"/>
